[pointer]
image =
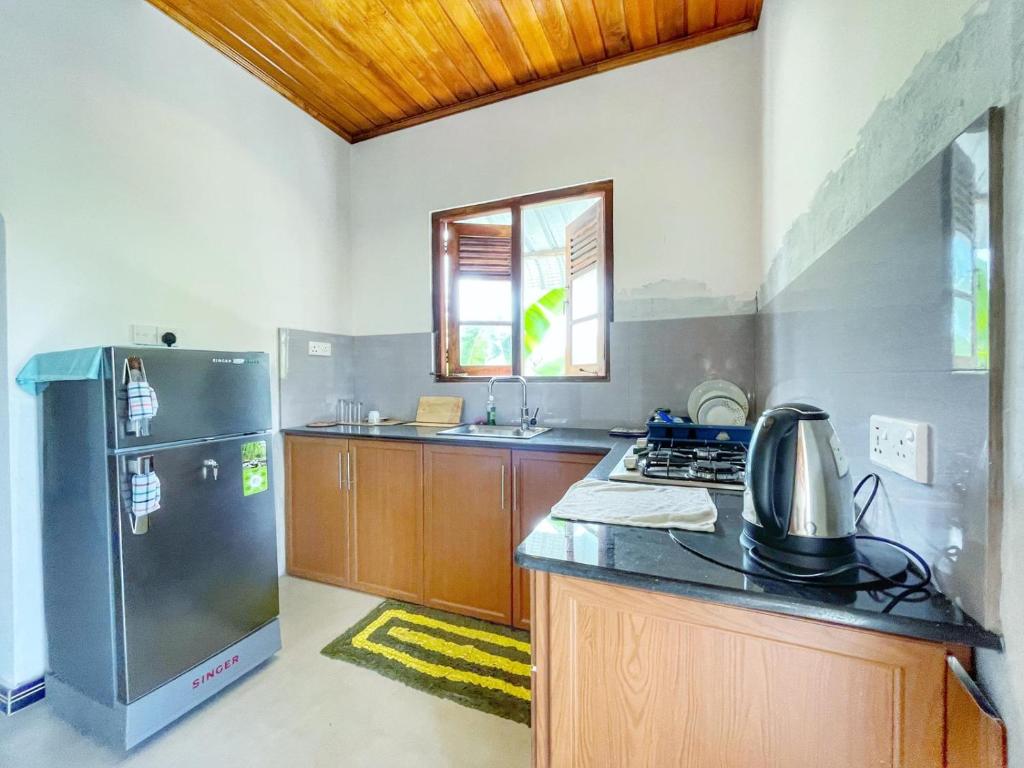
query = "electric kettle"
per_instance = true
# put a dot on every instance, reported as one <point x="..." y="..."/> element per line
<point x="798" y="501"/>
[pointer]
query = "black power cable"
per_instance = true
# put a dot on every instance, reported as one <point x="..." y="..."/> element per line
<point x="822" y="577"/>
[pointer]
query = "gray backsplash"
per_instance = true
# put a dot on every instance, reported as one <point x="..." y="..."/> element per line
<point x="653" y="363"/>
<point x="311" y="385"/>
<point x="866" y="330"/>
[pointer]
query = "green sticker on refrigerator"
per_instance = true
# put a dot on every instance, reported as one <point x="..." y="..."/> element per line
<point x="254" y="468"/>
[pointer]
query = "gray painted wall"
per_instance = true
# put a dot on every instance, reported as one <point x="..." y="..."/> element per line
<point x="866" y="329"/>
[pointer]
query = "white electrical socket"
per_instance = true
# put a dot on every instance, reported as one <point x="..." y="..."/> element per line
<point x="902" y="446"/>
<point x="145" y="335"/>
<point x="320" y="348"/>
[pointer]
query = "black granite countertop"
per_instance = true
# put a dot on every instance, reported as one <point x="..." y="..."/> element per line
<point x="557" y="439"/>
<point x="647" y="558"/>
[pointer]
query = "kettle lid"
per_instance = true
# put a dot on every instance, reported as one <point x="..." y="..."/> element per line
<point x="802" y="411"/>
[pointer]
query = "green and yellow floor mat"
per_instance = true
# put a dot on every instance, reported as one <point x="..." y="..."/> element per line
<point x="475" y="663"/>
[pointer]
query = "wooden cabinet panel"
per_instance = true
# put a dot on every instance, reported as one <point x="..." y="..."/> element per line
<point x="387" y="518"/>
<point x="316" y="509"/>
<point x="539" y="480"/>
<point x="627" y="677"/>
<point x="467" y="531"/>
<point x="975" y="734"/>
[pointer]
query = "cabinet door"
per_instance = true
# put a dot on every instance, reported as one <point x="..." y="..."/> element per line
<point x="316" y="508"/>
<point x="468" y="531"/>
<point x="637" y="678"/>
<point x="387" y="518"/>
<point x="539" y="480"/>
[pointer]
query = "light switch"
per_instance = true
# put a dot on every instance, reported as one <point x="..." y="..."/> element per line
<point x="145" y="335"/>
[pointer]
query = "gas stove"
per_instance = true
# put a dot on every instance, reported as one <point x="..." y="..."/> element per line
<point x="706" y="463"/>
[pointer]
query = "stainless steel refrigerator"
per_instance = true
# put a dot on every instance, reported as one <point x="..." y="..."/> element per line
<point x="148" y="615"/>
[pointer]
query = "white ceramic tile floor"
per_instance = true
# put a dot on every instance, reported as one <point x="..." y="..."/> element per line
<point x="301" y="709"/>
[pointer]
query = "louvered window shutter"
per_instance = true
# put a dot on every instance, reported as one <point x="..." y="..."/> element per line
<point x="480" y="251"/>
<point x="586" y="310"/>
<point x="483" y="250"/>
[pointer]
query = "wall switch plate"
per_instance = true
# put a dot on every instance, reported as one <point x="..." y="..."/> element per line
<point x="145" y="335"/>
<point x="320" y="348"/>
<point x="901" y="445"/>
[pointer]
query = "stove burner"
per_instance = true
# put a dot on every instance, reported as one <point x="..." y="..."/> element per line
<point x="717" y="464"/>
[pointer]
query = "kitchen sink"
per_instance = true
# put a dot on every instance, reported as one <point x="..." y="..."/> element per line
<point x="490" y="430"/>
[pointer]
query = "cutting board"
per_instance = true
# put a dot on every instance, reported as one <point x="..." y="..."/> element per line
<point x="439" y="410"/>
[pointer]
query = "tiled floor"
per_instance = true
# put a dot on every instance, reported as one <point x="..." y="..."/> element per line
<point x="302" y="709"/>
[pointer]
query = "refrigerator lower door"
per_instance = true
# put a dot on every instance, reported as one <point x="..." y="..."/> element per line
<point x="202" y="572"/>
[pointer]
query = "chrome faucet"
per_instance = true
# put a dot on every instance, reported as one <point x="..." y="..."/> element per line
<point x="524" y="410"/>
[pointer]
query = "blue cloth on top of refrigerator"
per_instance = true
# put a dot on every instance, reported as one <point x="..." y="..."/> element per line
<point x="69" y="365"/>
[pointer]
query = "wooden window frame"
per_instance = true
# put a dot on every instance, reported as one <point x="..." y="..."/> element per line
<point x="442" y="331"/>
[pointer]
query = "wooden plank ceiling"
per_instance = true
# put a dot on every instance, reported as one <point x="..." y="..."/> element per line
<point x="367" y="67"/>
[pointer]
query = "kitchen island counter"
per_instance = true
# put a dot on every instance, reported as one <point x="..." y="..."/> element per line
<point x="648" y="559"/>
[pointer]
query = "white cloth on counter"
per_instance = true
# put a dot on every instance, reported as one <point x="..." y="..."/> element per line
<point x="645" y="506"/>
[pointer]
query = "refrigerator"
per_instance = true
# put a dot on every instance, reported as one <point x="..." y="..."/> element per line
<point x="150" y="612"/>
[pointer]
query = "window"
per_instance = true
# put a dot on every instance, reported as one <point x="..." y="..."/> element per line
<point x="970" y="248"/>
<point x="523" y="286"/>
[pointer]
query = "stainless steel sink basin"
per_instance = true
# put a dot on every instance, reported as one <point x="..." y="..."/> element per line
<point x="488" y="430"/>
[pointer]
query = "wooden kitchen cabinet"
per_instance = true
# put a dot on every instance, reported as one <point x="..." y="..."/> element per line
<point x="316" y="509"/>
<point x="539" y="480"/>
<point x="467" y="531"/>
<point x="386" y="502"/>
<point x="637" y="678"/>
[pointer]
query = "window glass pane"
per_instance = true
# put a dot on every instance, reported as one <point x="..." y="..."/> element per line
<point x="485" y="345"/>
<point x="486" y="300"/>
<point x="963" y="327"/>
<point x="584" y="342"/>
<point x="584" y="294"/>
<point x="963" y="263"/>
<point x="544" y="228"/>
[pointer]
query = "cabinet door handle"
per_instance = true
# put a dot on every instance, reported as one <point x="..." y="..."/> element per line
<point x="341" y="473"/>
<point x="515" y="489"/>
<point x="502" y="487"/>
<point x="348" y="469"/>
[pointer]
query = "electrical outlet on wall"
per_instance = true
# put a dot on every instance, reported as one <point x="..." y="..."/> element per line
<point x="320" y="348"/>
<point x="901" y="445"/>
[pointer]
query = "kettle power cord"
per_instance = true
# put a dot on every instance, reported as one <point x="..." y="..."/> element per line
<point x="815" y="578"/>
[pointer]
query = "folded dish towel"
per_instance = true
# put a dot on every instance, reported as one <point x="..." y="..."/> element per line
<point x="142" y="402"/>
<point x="145" y="493"/>
<point x="646" y="506"/>
<point x="69" y="365"/>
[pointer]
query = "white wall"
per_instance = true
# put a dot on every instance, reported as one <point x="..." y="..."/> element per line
<point x="826" y="67"/>
<point x="144" y="177"/>
<point x="679" y="135"/>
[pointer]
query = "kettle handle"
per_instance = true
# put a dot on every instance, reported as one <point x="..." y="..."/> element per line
<point x="772" y="444"/>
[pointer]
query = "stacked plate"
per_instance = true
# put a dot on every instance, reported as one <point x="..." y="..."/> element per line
<point x="718" y="402"/>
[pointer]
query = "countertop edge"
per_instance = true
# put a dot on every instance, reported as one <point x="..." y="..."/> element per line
<point x="975" y="637"/>
<point x="557" y="443"/>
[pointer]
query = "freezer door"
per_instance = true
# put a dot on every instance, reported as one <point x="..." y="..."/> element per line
<point x="200" y="394"/>
<point x="204" y="573"/>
